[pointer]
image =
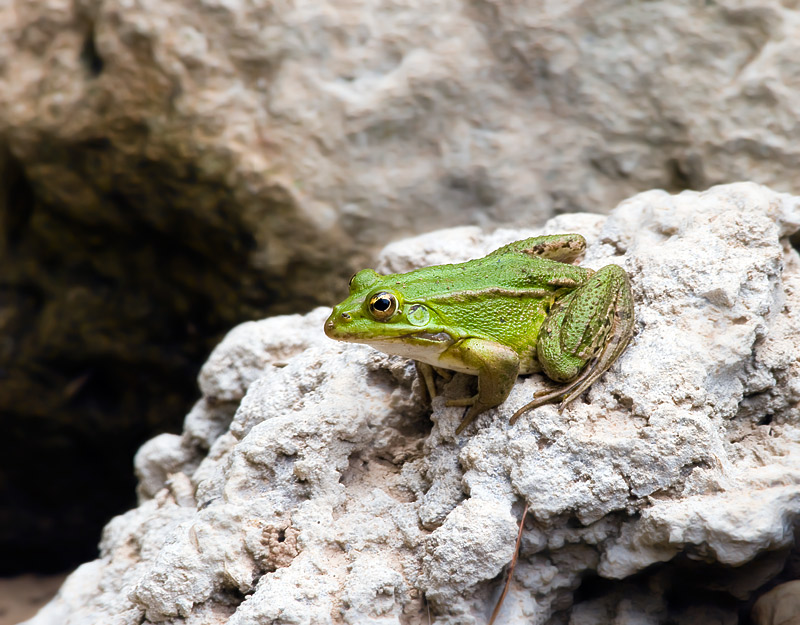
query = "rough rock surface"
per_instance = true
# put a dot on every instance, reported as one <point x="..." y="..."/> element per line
<point x="170" y="168"/>
<point x="313" y="483"/>
<point x="780" y="606"/>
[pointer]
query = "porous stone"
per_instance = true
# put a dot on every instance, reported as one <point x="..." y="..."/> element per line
<point x="170" y="168"/>
<point x="337" y="493"/>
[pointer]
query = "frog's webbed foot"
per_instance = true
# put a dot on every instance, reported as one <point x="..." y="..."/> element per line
<point x="583" y="336"/>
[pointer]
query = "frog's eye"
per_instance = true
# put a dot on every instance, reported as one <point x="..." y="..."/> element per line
<point x="383" y="305"/>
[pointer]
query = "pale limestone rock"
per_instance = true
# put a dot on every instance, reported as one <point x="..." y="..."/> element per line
<point x="335" y="128"/>
<point x="271" y="148"/>
<point x="780" y="606"/>
<point x="688" y="446"/>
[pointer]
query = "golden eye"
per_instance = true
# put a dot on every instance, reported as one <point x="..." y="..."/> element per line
<point x="383" y="305"/>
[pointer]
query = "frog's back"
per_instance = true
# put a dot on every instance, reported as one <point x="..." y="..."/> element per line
<point x="504" y="298"/>
<point x="516" y="273"/>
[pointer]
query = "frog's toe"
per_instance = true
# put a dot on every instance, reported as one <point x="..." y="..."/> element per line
<point x="469" y="417"/>
<point x="465" y="401"/>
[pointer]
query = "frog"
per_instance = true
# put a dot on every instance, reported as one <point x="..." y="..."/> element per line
<point x="527" y="307"/>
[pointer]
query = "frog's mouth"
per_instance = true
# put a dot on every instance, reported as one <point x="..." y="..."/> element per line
<point x="420" y="339"/>
<point x="438" y="337"/>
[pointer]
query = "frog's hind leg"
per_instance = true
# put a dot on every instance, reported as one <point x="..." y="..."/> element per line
<point x="564" y="248"/>
<point x="583" y="335"/>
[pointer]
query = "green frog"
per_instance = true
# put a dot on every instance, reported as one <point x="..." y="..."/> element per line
<point x="522" y="309"/>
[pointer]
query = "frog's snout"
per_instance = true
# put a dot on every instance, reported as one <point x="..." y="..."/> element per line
<point x="330" y="324"/>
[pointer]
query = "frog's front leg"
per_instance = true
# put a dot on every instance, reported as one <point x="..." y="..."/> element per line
<point x="425" y="372"/>
<point x="585" y="332"/>
<point x="496" y="366"/>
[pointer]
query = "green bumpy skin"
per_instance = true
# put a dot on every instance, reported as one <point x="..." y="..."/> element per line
<point x="523" y="308"/>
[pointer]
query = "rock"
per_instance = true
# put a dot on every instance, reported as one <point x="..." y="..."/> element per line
<point x="340" y="126"/>
<point x="336" y="494"/>
<point x="171" y="169"/>
<point x="779" y="606"/>
<point x="21" y="597"/>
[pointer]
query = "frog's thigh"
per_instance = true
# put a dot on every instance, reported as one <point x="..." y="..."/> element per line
<point x="580" y="326"/>
<point x="564" y="248"/>
<point x="497" y="367"/>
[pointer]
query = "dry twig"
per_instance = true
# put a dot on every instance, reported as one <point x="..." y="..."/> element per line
<point x="496" y="610"/>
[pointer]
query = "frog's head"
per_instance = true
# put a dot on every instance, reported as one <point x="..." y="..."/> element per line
<point x="376" y="312"/>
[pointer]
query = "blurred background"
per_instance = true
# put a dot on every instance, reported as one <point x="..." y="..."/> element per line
<point x="172" y="168"/>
